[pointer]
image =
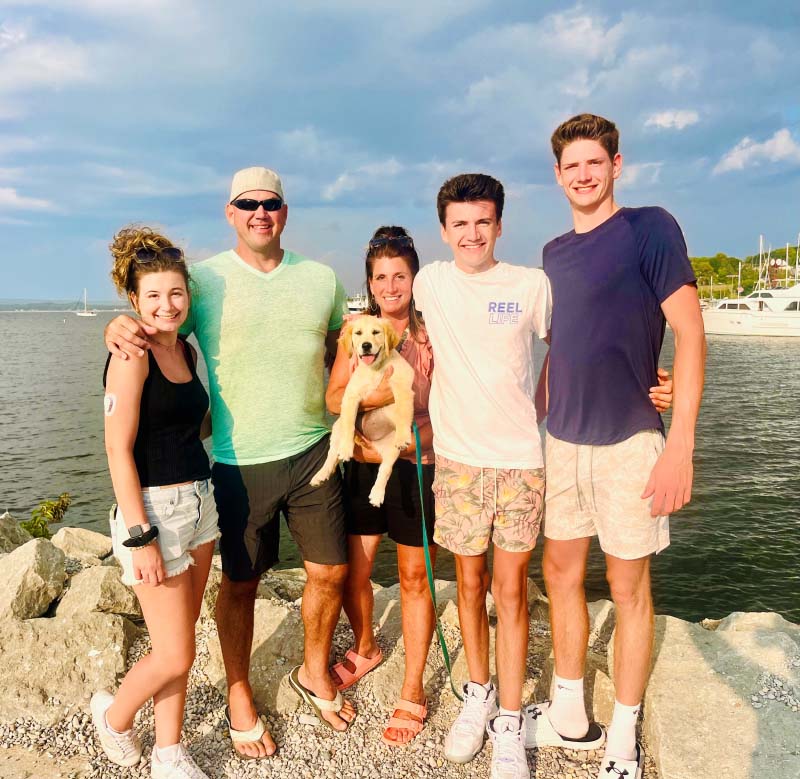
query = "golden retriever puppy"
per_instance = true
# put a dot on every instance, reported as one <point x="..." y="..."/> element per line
<point x="373" y="341"/>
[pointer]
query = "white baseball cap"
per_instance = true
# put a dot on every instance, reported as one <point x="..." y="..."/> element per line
<point x="250" y="179"/>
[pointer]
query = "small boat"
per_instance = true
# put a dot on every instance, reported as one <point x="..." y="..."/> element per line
<point x="86" y="311"/>
<point x="357" y="304"/>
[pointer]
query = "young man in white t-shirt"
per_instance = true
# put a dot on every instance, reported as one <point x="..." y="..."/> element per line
<point x="481" y="316"/>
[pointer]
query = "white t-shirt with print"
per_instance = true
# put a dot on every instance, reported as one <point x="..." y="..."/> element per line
<point x="481" y="327"/>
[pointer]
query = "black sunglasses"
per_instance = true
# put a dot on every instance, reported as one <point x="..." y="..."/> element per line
<point x="249" y="204"/>
<point x="145" y="255"/>
<point x="399" y="240"/>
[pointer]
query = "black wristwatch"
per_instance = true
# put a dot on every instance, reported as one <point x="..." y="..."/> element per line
<point x="140" y="537"/>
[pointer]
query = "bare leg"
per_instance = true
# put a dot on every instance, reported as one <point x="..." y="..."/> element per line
<point x="472" y="577"/>
<point x="169" y="615"/>
<point x="234" y="614"/>
<point x="419" y="620"/>
<point x="633" y="641"/>
<point x="564" y="569"/>
<point x="170" y="701"/>
<point x="510" y="590"/>
<point x="322" y="602"/>
<point x="358" y="599"/>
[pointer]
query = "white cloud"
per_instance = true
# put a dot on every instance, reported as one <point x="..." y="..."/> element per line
<point x="782" y="147"/>
<point x="678" y="119"/>
<point x="10" y="198"/>
<point x="29" y="62"/>
<point x="364" y="176"/>
<point x="639" y="174"/>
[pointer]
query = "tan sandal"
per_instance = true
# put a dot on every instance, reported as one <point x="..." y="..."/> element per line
<point x="402" y="723"/>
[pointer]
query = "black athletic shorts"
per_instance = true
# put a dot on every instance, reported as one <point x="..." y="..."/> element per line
<point x="251" y="498"/>
<point x="400" y="514"/>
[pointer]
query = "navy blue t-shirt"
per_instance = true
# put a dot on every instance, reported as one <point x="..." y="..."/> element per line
<point x="607" y="325"/>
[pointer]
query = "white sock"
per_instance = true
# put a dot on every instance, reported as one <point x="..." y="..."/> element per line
<point x="167" y="754"/>
<point x="567" y="712"/>
<point x="621" y="740"/>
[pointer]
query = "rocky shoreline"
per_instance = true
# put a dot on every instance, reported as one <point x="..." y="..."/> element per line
<point x="723" y="701"/>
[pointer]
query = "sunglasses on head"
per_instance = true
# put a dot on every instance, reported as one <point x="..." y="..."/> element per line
<point x="249" y="204"/>
<point x="397" y="240"/>
<point x="145" y="255"/>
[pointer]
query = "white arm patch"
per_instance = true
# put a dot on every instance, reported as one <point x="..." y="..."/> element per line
<point x="109" y="404"/>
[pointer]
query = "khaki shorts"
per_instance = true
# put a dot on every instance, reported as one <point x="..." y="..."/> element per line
<point x="595" y="491"/>
<point x="474" y="505"/>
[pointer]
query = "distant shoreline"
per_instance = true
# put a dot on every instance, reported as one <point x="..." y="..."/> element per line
<point x="97" y="309"/>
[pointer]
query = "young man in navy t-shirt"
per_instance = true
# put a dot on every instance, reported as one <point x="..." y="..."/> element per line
<point x="616" y="279"/>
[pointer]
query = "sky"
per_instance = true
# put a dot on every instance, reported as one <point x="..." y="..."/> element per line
<point x="121" y="111"/>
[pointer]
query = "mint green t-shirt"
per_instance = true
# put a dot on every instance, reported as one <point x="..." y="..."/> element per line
<point x="263" y="339"/>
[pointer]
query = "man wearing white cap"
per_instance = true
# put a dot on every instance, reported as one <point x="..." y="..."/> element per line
<point x="264" y="318"/>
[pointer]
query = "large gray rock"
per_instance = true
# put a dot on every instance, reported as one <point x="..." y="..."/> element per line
<point x="208" y="607"/>
<point x="12" y="534"/>
<point x="31" y="578"/>
<point x="708" y="710"/>
<point x="287" y="584"/>
<point x="82" y="544"/>
<point x="277" y="648"/>
<point x="99" y="589"/>
<point x="759" y="620"/>
<point x="50" y="667"/>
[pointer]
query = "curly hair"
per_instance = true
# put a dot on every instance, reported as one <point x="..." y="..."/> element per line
<point x="126" y="271"/>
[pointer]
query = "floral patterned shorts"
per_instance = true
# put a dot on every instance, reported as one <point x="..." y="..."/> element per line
<point x="475" y="505"/>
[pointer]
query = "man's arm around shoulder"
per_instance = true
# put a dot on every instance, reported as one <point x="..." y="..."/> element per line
<point x="670" y="482"/>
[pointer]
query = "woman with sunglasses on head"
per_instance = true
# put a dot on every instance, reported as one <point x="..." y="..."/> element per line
<point x="165" y="524"/>
<point x="391" y="264"/>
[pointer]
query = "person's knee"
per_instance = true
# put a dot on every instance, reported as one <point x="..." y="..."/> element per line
<point x="562" y="573"/>
<point x="629" y="592"/>
<point x="473" y="585"/>
<point x="176" y="661"/>
<point x="414" y="581"/>
<point x="326" y="577"/>
<point x="510" y="593"/>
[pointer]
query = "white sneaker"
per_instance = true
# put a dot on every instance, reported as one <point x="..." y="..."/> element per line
<point x="508" y="748"/>
<point x="466" y="735"/>
<point x="183" y="767"/>
<point x="120" y="748"/>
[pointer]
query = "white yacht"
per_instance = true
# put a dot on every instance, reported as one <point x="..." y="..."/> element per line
<point x="357" y="304"/>
<point x="770" y="309"/>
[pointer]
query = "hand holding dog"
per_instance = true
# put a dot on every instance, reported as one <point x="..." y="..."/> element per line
<point x="381" y="396"/>
<point x="364" y="451"/>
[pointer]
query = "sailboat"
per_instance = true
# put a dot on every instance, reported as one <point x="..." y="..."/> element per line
<point x="86" y="311"/>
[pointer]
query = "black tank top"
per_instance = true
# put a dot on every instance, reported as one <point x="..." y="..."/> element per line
<point x="168" y="449"/>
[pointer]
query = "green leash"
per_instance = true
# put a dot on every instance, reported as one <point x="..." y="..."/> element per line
<point x="429" y="567"/>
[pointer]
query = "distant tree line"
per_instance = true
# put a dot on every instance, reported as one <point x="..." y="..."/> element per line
<point x="724" y="271"/>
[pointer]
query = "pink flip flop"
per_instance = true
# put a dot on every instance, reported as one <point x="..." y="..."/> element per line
<point x="363" y="666"/>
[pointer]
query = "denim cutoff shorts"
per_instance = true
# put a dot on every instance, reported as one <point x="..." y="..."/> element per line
<point x="186" y="517"/>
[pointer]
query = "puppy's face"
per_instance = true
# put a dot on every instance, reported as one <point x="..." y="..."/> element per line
<point x="371" y="339"/>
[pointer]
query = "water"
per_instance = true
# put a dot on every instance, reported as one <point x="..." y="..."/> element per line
<point x="733" y="549"/>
